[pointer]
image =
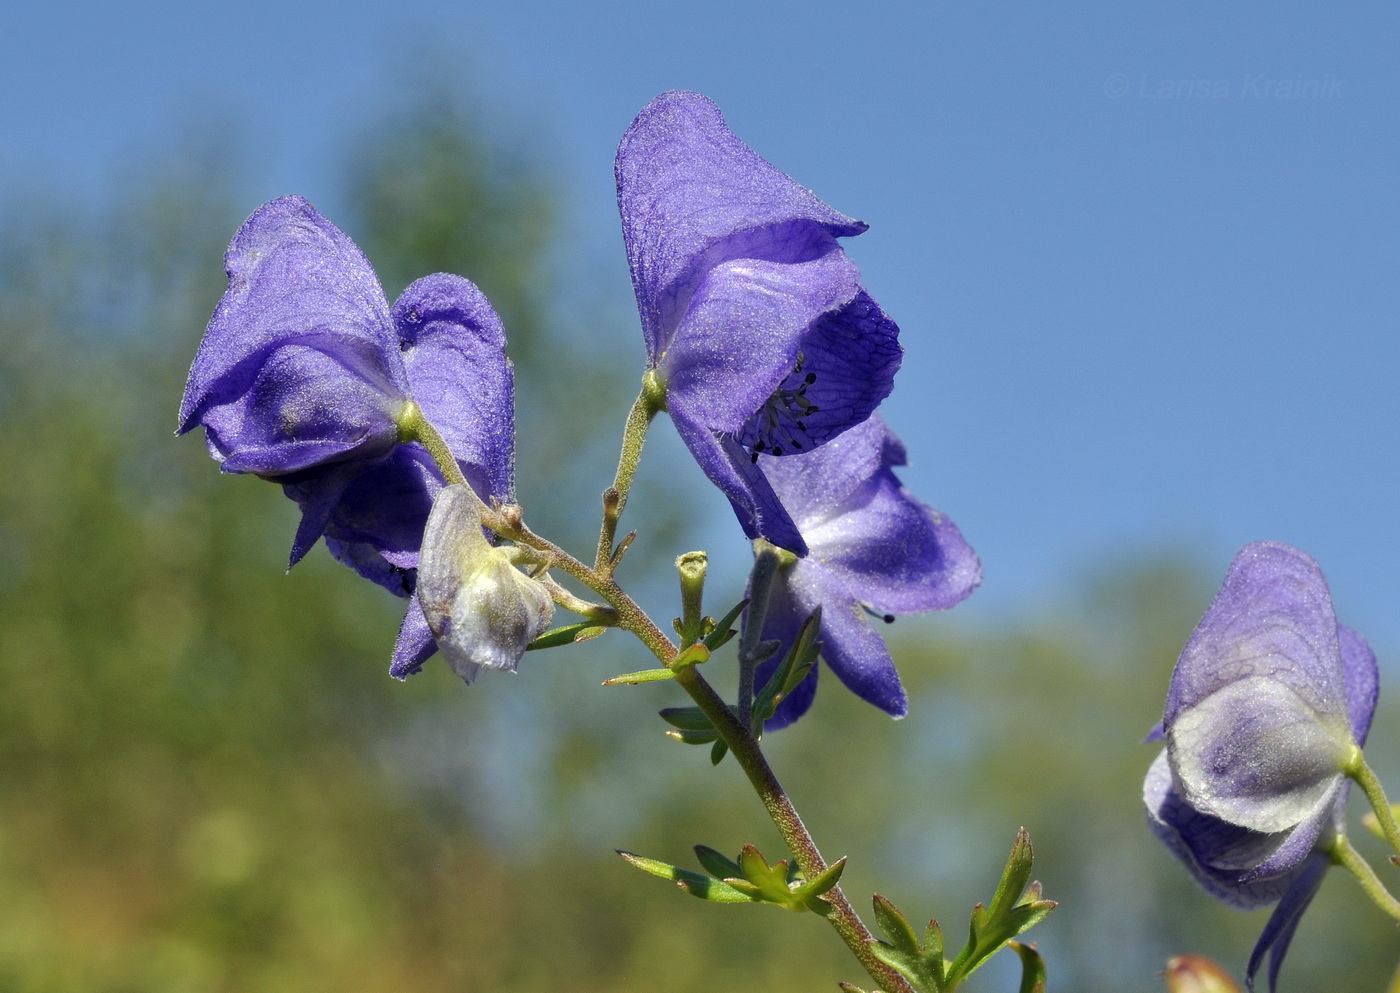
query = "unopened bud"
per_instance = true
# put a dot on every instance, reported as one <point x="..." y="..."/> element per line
<point x="1197" y="974"/>
<point x="483" y="611"/>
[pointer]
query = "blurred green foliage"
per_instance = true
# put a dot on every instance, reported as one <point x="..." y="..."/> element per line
<point x="209" y="783"/>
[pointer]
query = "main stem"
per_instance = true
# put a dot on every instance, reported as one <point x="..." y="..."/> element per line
<point x="508" y="522"/>
<point x="809" y="858"/>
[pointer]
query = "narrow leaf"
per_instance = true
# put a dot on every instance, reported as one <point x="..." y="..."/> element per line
<point x="1032" y="968"/>
<point x="644" y="676"/>
<point x="694" y="737"/>
<point x="715" y="863"/>
<point x="722" y="632"/>
<point x="687" y="718"/>
<point x="718" y="752"/>
<point x="570" y="634"/>
<point x="895" y="926"/>
<point x="694" y="883"/>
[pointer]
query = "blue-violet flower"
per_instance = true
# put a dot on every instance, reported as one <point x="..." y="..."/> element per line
<point x="305" y="376"/>
<point x="754" y="319"/>
<point x="1269" y="703"/>
<point x="875" y="552"/>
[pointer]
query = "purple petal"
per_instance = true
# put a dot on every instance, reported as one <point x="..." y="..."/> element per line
<point x="692" y="196"/>
<point x="867" y="531"/>
<point x="366" y="560"/>
<point x="415" y="645"/>
<point x="1272" y="619"/>
<point x="305" y="406"/>
<point x="1218" y="854"/>
<point x="845" y="368"/>
<point x="453" y="347"/>
<point x="387" y="502"/>
<point x="291" y="273"/>
<point x="1362" y="679"/>
<point x="1278" y="932"/>
<point x="740" y="336"/>
<point x="730" y="468"/>
<point x="851" y="647"/>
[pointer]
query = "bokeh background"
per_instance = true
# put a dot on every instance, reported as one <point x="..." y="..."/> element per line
<point x="1144" y="262"/>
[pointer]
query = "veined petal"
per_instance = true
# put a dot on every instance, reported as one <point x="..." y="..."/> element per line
<point x="1273" y="619"/>
<point x="692" y="196"/>
<point x="1362" y="678"/>
<point x="453" y="348"/>
<point x="1255" y="754"/>
<point x="740" y="336"/>
<point x="820" y="484"/>
<point x="845" y="368"/>
<point x="291" y="273"/>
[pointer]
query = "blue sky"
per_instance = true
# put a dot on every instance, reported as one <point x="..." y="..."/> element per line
<point x="1144" y="256"/>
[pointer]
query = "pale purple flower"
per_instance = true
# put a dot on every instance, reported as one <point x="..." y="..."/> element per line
<point x="305" y="371"/>
<point x="753" y="317"/>
<point x="874" y="552"/>
<point x="1268" y="704"/>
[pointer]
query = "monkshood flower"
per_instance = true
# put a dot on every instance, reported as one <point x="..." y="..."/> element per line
<point x="754" y="319"/>
<point x="306" y="377"/>
<point x="1269" y="704"/>
<point x="875" y="552"/>
<point x="482" y="610"/>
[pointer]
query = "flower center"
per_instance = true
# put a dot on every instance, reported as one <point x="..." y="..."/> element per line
<point x="777" y="428"/>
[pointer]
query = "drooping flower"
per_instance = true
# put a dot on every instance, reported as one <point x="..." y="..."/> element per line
<point x="482" y="610"/>
<point x="1268" y="703"/>
<point x="754" y="319"/>
<point x="304" y="377"/>
<point x="874" y="552"/>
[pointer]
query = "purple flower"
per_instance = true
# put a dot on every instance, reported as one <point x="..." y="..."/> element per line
<point x="1269" y="702"/>
<point x="875" y="552"/>
<point x="754" y="318"/>
<point x="305" y="375"/>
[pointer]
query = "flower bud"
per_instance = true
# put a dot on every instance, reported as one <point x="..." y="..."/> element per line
<point x="483" y="611"/>
<point x="1197" y="974"/>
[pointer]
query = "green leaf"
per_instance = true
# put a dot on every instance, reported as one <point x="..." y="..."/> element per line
<point x="798" y="661"/>
<point x="1032" y="967"/>
<point x="694" y="737"/>
<point x="1015" y="908"/>
<point x="718" y="752"/>
<point x="571" y="634"/>
<point x="687" y="718"/>
<point x="922" y="966"/>
<point x="722" y="631"/>
<point x="716" y="864"/>
<point x="644" y="676"/>
<point x="695" y="883"/>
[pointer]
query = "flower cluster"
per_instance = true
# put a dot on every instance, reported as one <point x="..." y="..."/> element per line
<point x="772" y="356"/>
<point x="306" y="377"/>
<point x="1269" y="705"/>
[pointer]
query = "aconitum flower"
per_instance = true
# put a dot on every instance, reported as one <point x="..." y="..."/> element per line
<point x="874" y="552"/>
<point x="305" y="375"/>
<point x="754" y="319"/>
<point x="1269" y="702"/>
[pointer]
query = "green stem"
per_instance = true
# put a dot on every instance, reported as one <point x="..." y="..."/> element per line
<point x="767" y="558"/>
<point x="650" y="402"/>
<point x="1346" y="857"/>
<point x="785" y="817"/>
<point x="1358" y="770"/>
<point x="414" y="426"/>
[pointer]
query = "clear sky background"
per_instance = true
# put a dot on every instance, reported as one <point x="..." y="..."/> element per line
<point x="1144" y="256"/>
